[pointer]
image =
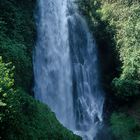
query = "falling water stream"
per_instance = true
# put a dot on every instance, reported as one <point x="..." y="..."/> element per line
<point x="65" y="68"/>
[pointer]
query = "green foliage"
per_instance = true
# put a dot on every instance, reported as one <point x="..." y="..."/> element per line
<point x="22" y="117"/>
<point x="17" y="38"/>
<point x="125" y="88"/>
<point x="6" y="85"/>
<point x="124" y="127"/>
<point x="28" y="119"/>
<point x="125" y="20"/>
<point x="16" y="53"/>
<point x="116" y="26"/>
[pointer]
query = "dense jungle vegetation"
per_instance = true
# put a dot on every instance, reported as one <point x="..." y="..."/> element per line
<point x="116" y="27"/>
<point x="21" y="116"/>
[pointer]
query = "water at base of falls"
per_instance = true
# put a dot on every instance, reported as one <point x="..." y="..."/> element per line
<point x="65" y="68"/>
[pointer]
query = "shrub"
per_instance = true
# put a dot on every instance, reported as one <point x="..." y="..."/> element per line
<point x="124" y="127"/>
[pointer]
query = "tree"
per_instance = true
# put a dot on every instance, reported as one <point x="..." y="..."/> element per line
<point x="6" y="85"/>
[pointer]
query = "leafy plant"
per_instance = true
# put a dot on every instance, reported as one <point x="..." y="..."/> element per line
<point x="6" y="85"/>
<point x="124" y="127"/>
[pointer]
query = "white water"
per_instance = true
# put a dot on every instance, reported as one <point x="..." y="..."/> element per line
<point x="65" y="68"/>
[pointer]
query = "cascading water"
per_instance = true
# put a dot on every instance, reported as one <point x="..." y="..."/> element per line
<point x="65" y="68"/>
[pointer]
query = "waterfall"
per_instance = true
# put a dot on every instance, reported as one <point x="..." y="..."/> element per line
<point x="66" y="68"/>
